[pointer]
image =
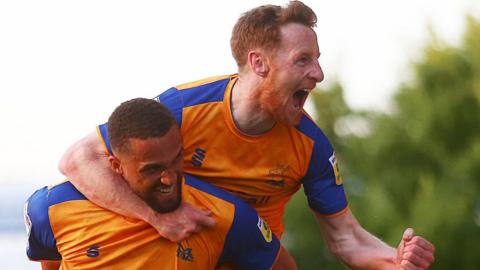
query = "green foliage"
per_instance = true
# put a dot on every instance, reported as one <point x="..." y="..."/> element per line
<point x="418" y="166"/>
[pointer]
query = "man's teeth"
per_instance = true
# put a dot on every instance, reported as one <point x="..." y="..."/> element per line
<point x="164" y="190"/>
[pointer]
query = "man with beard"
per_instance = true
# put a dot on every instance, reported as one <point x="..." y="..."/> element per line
<point x="248" y="133"/>
<point x="67" y="230"/>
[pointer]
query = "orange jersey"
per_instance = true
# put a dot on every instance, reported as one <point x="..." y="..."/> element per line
<point x="64" y="225"/>
<point x="264" y="170"/>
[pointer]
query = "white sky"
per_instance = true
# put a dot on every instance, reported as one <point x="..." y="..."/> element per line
<point x="65" y="65"/>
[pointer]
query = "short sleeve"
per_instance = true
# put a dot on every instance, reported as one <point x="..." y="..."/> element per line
<point x="173" y="100"/>
<point x="41" y="241"/>
<point x="323" y="183"/>
<point x="250" y="244"/>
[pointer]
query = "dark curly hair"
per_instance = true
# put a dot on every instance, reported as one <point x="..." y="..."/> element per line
<point x="139" y="118"/>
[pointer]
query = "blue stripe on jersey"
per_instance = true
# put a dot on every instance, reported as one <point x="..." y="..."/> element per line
<point x="42" y="244"/>
<point x="245" y="246"/>
<point x="174" y="102"/>
<point x="210" y="92"/>
<point x="104" y="132"/>
<point x="64" y="192"/>
<point x="323" y="194"/>
<point x="210" y="189"/>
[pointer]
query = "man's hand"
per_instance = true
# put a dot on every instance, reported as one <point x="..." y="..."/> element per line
<point x="414" y="252"/>
<point x="183" y="222"/>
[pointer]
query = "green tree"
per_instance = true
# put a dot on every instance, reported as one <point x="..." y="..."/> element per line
<point x="417" y="166"/>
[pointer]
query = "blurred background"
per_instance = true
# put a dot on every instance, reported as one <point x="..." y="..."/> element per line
<point x="400" y="103"/>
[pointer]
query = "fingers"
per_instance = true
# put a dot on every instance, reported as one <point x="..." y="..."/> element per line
<point x="405" y="264"/>
<point x="422" y="242"/>
<point x="201" y="221"/>
<point x="415" y="252"/>
<point x="199" y="218"/>
<point x="419" y="250"/>
<point x="417" y="260"/>
<point x="408" y="234"/>
<point x="205" y="219"/>
<point x="180" y="224"/>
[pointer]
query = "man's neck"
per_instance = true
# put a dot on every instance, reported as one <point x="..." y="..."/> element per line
<point x="247" y="113"/>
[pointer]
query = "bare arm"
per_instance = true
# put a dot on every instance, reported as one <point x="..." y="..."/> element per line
<point x="359" y="249"/>
<point x="284" y="261"/>
<point x="86" y="165"/>
<point x="50" y="265"/>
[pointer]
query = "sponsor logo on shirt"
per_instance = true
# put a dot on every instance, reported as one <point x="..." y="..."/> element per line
<point x="277" y="175"/>
<point x="93" y="251"/>
<point x="184" y="253"/>
<point x="336" y="170"/>
<point x="198" y="157"/>
<point x="265" y="230"/>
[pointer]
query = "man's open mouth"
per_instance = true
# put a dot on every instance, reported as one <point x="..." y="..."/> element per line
<point x="299" y="98"/>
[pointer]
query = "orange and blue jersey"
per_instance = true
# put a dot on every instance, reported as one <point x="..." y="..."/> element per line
<point x="264" y="170"/>
<point x="63" y="225"/>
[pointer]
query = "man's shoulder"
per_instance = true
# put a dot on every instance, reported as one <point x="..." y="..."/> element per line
<point x="41" y="240"/>
<point x="309" y="128"/>
<point x="55" y="194"/>
<point x="212" y="191"/>
<point x="209" y="81"/>
<point x="208" y="90"/>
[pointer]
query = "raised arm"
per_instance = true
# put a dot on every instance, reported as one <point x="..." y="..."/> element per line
<point x="86" y="165"/>
<point x="359" y="249"/>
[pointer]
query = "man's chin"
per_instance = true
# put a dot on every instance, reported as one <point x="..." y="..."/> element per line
<point x="166" y="208"/>
<point x="290" y="120"/>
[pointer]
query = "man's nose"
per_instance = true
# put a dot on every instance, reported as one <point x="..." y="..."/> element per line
<point x="316" y="73"/>
<point x="168" y="177"/>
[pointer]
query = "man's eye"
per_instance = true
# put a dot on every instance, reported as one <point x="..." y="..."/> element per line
<point x="151" y="170"/>
<point x="302" y="61"/>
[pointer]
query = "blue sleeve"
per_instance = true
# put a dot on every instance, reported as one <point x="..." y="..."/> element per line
<point x="173" y="100"/>
<point x="41" y="241"/>
<point x="170" y="98"/>
<point x="250" y="244"/>
<point x="323" y="183"/>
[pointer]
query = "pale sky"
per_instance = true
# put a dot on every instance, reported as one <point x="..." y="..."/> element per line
<point x="65" y="65"/>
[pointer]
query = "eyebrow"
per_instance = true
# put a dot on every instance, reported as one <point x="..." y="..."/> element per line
<point x="151" y="167"/>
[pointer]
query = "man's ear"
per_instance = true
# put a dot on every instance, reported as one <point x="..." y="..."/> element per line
<point x="115" y="164"/>
<point x="258" y="63"/>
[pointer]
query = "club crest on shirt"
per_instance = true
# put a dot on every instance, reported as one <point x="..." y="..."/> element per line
<point x="277" y="175"/>
<point x="336" y="170"/>
<point x="184" y="253"/>
<point x="265" y="230"/>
